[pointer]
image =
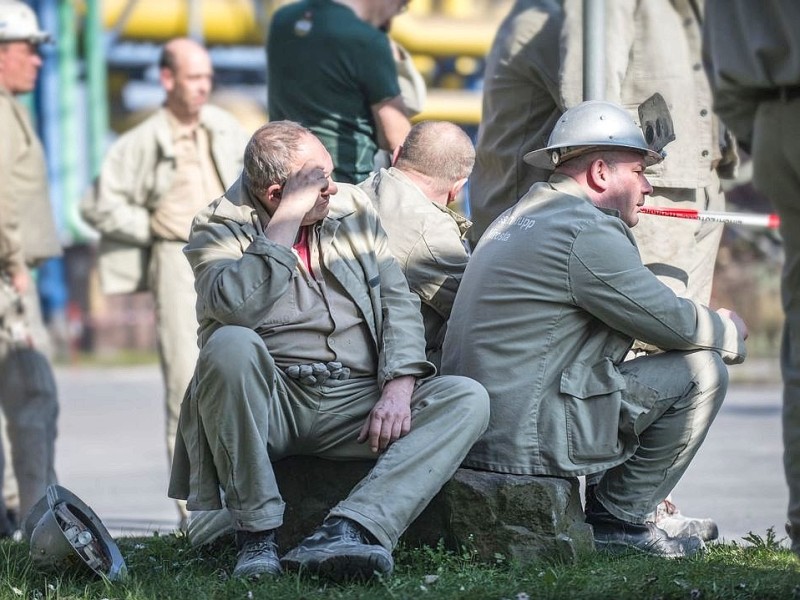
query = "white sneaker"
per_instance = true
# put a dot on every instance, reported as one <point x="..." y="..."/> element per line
<point x="670" y="519"/>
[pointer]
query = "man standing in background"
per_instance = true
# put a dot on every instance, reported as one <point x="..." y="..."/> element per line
<point x="28" y="235"/>
<point x="331" y="68"/>
<point x="154" y="179"/>
<point x="753" y="49"/>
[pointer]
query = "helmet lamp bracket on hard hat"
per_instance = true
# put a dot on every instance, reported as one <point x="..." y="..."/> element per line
<point x="656" y="123"/>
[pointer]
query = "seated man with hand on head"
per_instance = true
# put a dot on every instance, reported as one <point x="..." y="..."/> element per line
<point x="428" y="171"/>
<point x="552" y="299"/>
<point x="311" y="344"/>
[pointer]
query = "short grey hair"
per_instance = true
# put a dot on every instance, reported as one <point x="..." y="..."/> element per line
<point x="438" y="149"/>
<point x="269" y="154"/>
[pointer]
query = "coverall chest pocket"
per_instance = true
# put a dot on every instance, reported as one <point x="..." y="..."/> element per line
<point x="283" y="310"/>
<point x="592" y="404"/>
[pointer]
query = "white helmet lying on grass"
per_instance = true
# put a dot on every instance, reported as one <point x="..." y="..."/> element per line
<point x="64" y="533"/>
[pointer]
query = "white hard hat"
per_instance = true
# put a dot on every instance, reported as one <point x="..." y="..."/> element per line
<point x="591" y="125"/>
<point x="18" y="23"/>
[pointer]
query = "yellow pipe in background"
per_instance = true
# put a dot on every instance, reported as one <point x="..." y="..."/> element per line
<point x="458" y="106"/>
<point x="224" y="21"/>
<point x="430" y="29"/>
<point x="442" y="36"/>
<point x="458" y="9"/>
<point x="420" y="7"/>
<point x="234" y="22"/>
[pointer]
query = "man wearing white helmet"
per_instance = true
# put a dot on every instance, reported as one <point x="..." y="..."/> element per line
<point x="27" y="236"/>
<point x="550" y="303"/>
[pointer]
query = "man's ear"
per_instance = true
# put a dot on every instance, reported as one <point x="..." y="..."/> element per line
<point x="597" y="175"/>
<point x="274" y="193"/>
<point x="167" y="78"/>
<point x="455" y="189"/>
<point x="396" y="154"/>
<point x="272" y="197"/>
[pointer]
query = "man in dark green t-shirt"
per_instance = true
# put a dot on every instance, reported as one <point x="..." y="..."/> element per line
<point x="331" y="68"/>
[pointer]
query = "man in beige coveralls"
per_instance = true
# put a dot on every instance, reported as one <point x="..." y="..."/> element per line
<point x="429" y="169"/>
<point x="27" y="235"/>
<point x="311" y="344"/>
<point x="551" y="301"/>
<point x="154" y="179"/>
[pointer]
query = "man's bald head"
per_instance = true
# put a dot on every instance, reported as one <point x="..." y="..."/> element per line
<point x="439" y="150"/>
<point x="186" y="74"/>
<point x="176" y="49"/>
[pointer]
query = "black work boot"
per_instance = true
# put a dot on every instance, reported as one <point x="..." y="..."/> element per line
<point x="340" y="550"/>
<point x="617" y="536"/>
<point x="257" y="554"/>
<point x="12" y="515"/>
<point x="6" y="526"/>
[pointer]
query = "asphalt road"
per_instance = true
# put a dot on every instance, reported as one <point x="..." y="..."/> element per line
<point x="111" y="453"/>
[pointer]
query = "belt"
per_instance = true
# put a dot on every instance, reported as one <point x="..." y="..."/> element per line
<point x="783" y="93"/>
<point x="317" y="373"/>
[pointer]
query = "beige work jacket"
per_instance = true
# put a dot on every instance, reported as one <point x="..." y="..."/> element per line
<point x="427" y="240"/>
<point x="239" y="273"/>
<point x="231" y="257"/>
<point x="653" y="46"/>
<point x="137" y="172"/>
<point x="27" y="228"/>
<point x="550" y="303"/>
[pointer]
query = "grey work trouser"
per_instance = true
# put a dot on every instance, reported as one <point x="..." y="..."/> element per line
<point x="253" y="414"/>
<point x="776" y="173"/>
<point x="29" y="402"/>
<point x="674" y="398"/>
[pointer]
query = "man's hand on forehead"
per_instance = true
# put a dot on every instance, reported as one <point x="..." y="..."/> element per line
<point x="311" y="176"/>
